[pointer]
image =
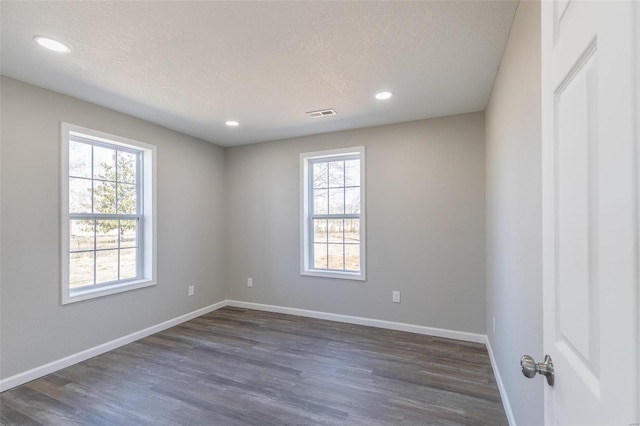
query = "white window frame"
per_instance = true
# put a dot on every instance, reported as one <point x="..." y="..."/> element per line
<point x="148" y="228"/>
<point x="306" y="267"/>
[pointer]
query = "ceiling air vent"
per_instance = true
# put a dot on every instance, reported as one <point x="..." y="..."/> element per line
<point x="321" y="113"/>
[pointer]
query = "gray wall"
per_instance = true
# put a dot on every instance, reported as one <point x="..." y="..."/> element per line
<point x="425" y="224"/>
<point x="514" y="218"/>
<point x="34" y="328"/>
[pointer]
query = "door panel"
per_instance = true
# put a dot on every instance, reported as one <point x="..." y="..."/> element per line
<point x="576" y="221"/>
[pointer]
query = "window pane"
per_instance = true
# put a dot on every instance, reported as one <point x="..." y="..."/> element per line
<point x="128" y="233"/>
<point x="320" y="201"/>
<point x="126" y="198"/>
<point x="106" y="266"/>
<point x="104" y="163"/>
<point x="320" y="256"/>
<point x="336" y="201"/>
<point x="128" y="264"/>
<point x="352" y="173"/>
<point x="80" y="235"/>
<point x="79" y="159"/>
<point x="104" y="197"/>
<point x="126" y="167"/>
<point x="352" y="230"/>
<point x="336" y="230"/>
<point x="106" y="234"/>
<point x="336" y="256"/>
<point x="336" y="174"/>
<point x="79" y="195"/>
<point x="352" y="257"/>
<point x="80" y="269"/>
<point x="320" y="230"/>
<point x="352" y="200"/>
<point x="320" y="175"/>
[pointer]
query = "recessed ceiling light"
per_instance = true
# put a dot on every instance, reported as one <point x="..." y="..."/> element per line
<point x="383" y="95"/>
<point x="231" y="123"/>
<point x="52" y="44"/>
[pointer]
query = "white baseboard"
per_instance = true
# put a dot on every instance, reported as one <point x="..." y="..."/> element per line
<point x="43" y="370"/>
<point x="27" y="376"/>
<point x="411" y="328"/>
<point x="501" y="388"/>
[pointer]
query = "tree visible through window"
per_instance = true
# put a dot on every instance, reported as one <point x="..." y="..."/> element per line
<point x="103" y="213"/>
<point x="333" y="214"/>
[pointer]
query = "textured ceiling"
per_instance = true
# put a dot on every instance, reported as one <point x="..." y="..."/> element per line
<point x="190" y="66"/>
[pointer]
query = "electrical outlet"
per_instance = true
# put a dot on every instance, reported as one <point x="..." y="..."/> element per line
<point x="249" y="282"/>
<point x="192" y="290"/>
<point x="396" y="297"/>
<point x="494" y="324"/>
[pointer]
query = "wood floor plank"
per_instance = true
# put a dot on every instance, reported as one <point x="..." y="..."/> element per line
<point x="243" y="367"/>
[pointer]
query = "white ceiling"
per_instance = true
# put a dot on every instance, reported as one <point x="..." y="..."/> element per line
<point x="191" y="65"/>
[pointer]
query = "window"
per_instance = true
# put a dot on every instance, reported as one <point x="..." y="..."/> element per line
<point x="333" y="221"/>
<point x="108" y="204"/>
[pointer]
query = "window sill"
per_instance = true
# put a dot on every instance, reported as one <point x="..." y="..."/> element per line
<point x="341" y="275"/>
<point x="80" y="294"/>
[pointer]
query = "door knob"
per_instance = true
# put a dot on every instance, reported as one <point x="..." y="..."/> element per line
<point x="530" y="368"/>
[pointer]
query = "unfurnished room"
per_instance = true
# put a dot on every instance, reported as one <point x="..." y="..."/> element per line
<point x="320" y="212"/>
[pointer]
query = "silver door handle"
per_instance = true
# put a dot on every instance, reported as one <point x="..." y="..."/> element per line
<point x="530" y="368"/>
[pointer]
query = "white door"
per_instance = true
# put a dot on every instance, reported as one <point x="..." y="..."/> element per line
<point x="590" y="116"/>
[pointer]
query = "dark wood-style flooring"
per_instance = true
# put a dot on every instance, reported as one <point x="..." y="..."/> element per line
<point x="246" y="367"/>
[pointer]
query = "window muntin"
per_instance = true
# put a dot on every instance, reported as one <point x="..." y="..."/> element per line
<point x="333" y="217"/>
<point x="108" y="206"/>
